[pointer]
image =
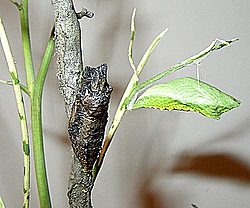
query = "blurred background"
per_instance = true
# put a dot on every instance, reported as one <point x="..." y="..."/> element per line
<point x="157" y="159"/>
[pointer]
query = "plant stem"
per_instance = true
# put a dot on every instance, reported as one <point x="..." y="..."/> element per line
<point x="132" y="37"/>
<point x="35" y="88"/>
<point x="23" y="88"/>
<point x="1" y="203"/>
<point x="194" y="59"/>
<point x="131" y="85"/>
<point x="133" y="89"/>
<point x="117" y="119"/>
<point x="149" y="51"/>
<point x="24" y="18"/>
<point x="36" y="119"/>
<point x="21" y="113"/>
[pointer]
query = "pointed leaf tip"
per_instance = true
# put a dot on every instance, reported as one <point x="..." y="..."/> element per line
<point x="187" y="94"/>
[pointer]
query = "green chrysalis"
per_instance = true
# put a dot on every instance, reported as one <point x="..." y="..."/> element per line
<point x="187" y="94"/>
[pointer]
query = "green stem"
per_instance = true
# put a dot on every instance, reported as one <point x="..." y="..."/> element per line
<point x="36" y="119"/>
<point x="35" y="89"/>
<point x="1" y="203"/>
<point x="116" y="121"/>
<point x="132" y="37"/>
<point x="131" y="85"/>
<point x="194" y="59"/>
<point x="149" y="51"/>
<point x="23" y="88"/>
<point x="21" y="113"/>
<point x="133" y="89"/>
<point x="24" y="18"/>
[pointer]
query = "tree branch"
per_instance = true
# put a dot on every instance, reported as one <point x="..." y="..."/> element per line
<point x="86" y="95"/>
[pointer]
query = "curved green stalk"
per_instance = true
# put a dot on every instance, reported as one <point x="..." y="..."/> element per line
<point x="131" y="85"/>
<point x="130" y="48"/>
<point x="34" y="90"/>
<point x="21" y="113"/>
<point x="116" y="121"/>
<point x="1" y="203"/>
<point x="36" y="119"/>
<point x="23" y="88"/>
<point x="149" y="51"/>
<point x="194" y="59"/>
<point x="133" y="88"/>
<point x="121" y="108"/>
<point x="29" y="68"/>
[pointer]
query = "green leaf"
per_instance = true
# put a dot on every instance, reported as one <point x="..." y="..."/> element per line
<point x="187" y="94"/>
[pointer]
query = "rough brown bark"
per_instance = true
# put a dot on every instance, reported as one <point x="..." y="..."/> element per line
<point x="86" y="95"/>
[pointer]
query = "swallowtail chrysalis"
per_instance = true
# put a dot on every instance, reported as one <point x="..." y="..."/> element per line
<point x="89" y="115"/>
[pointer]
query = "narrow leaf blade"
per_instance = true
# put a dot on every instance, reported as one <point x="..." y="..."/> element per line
<point x="187" y="94"/>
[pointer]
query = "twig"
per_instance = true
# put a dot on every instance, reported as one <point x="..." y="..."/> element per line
<point x="37" y="130"/>
<point x="132" y="83"/>
<point x="23" y="88"/>
<point x="194" y="59"/>
<point x="1" y="203"/>
<point x="26" y="43"/>
<point x="133" y="88"/>
<point x="130" y="49"/>
<point x="70" y="69"/>
<point x="21" y="113"/>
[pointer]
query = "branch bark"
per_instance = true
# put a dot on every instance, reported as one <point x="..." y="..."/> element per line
<point x="86" y="95"/>
<point x="68" y="50"/>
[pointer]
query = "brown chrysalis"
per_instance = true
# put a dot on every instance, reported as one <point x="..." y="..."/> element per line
<point x="89" y="115"/>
